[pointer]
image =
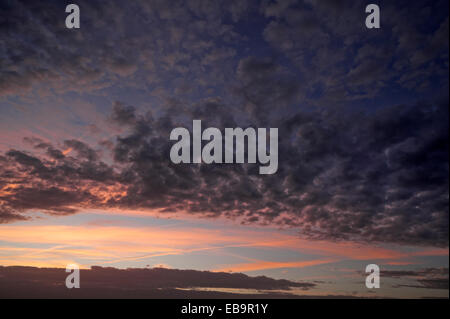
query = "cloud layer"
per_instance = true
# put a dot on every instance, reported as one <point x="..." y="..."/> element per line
<point x="428" y="278"/>
<point x="378" y="177"/>
<point x="362" y="116"/>
<point x="100" y="282"/>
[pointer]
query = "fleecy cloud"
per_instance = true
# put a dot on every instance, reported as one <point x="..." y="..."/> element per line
<point x="378" y="177"/>
<point x="395" y="163"/>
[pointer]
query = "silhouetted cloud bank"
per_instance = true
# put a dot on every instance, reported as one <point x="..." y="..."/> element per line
<point x="100" y="282"/>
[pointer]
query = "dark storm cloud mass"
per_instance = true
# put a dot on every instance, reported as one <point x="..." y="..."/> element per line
<point x="346" y="171"/>
<point x="100" y="282"/>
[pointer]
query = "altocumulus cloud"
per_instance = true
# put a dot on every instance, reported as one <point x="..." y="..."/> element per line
<point x="377" y="174"/>
<point x="381" y="177"/>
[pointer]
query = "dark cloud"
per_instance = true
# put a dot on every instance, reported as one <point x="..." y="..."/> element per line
<point x="332" y="31"/>
<point x="426" y="272"/>
<point x="371" y="171"/>
<point x="99" y="282"/>
<point x="379" y="177"/>
<point x="427" y="278"/>
<point x="83" y="150"/>
<point x="123" y="114"/>
<point x="265" y="86"/>
<point x="438" y="283"/>
<point x="6" y="216"/>
<point x="54" y="200"/>
<point x="193" y="49"/>
<point x="40" y="53"/>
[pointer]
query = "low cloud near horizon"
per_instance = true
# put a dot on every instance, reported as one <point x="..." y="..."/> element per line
<point x="109" y="282"/>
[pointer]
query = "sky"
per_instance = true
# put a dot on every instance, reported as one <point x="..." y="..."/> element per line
<point x="362" y="118"/>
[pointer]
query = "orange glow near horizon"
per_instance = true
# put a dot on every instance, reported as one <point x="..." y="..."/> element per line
<point x="105" y="245"/>
<point x="262" y="265"/>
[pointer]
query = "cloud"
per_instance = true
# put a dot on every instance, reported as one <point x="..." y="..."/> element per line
<point x="427" y="278"/>
<point x="261" y="265"/>
<point x="7" y="216"/>
<point x="98" y="56"/>
<point x="101" y="282"/>
<point x="426" y="272"/>
<point x="322" y="43"/>
<point x="372" y="172"/>
<point x="437" y="283"/>
<point x="332" y="31"/>
<point x="380" y="177"/>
